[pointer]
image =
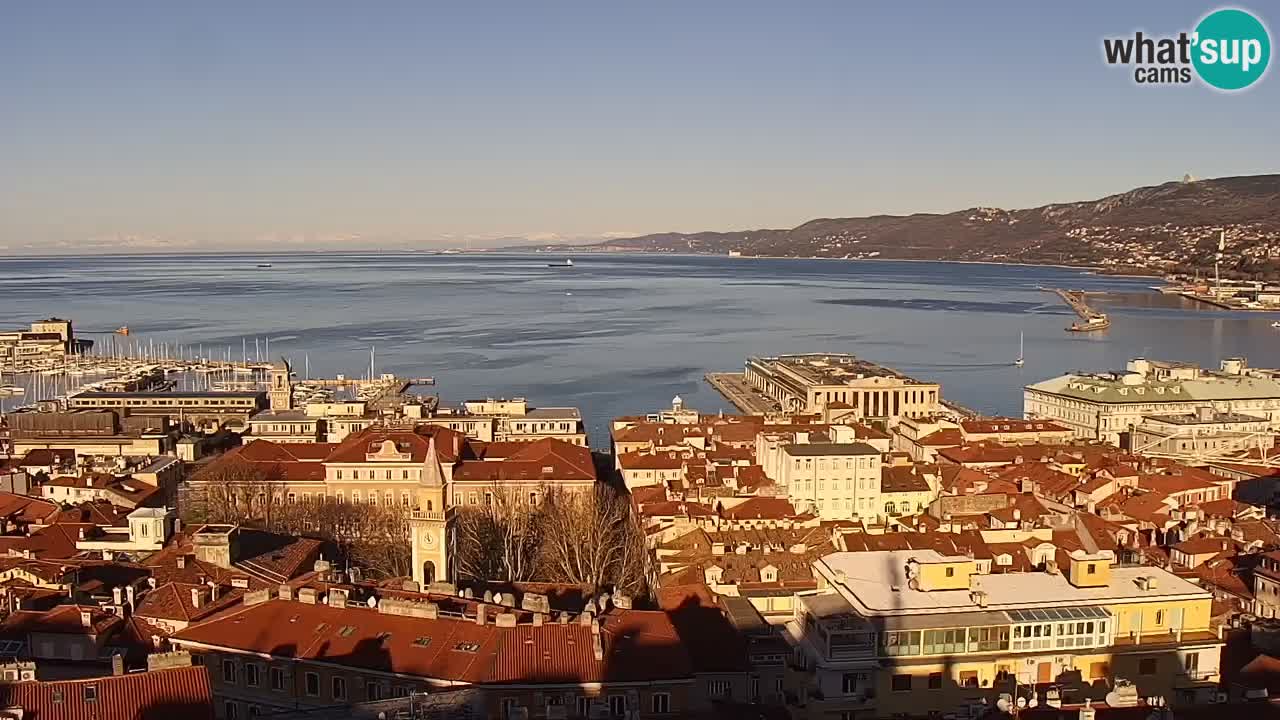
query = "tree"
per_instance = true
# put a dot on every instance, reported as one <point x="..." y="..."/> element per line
<point x="499" y="539"/>
<point x="593" y="538"/>
<point x="231" y="490"/>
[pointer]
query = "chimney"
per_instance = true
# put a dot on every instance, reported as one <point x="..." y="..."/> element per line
<point x="117" y="664"/>
<point x="86" y="618"/>
<point x="286" y="592"/>
<point x="130" y="593"/>
<point x="196" y="594"/>
<point x="81" y="533"/>
<point x="117" y="595"/>
<point x="480" y="614"/>
<point x="182" y="561"/>
<point x="213" y="591"/>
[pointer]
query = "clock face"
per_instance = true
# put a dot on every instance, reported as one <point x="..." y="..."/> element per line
<point x="428" y="540"/>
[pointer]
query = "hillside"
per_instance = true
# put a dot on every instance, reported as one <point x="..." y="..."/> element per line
<point x="1166" y="228"/>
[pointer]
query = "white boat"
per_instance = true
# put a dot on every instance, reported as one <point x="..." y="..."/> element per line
<point x="1020" y="361"/>
<point x="12" y="390"/>
<point x="1276" y="324"/>
<point x="568" y="263"/>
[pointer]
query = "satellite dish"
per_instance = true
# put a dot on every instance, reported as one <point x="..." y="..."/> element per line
<point x="1022" y="702"/>
<point x="1002" y="705"/>
<point x="372" y="602"/>
<point x="1034" y="701"/>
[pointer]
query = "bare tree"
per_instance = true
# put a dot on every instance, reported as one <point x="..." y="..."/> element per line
<point x="499" y="539"/>
<point x="593" y="538"/>
<point x="232" y="490"/>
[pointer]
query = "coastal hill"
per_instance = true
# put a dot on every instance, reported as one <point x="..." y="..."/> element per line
<point x="1161" y="229"/>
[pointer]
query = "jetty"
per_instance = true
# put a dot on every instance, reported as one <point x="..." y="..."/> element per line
<point x="733" y="386"/>
<point x="1091" y="318"/>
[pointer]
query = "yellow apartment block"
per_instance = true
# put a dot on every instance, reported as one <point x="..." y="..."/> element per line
<point x="915" y="632"/>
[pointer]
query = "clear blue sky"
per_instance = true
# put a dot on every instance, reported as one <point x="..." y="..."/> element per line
<point x="132" y="125"/>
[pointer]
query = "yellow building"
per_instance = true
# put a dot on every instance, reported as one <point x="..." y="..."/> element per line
<point x="914" y="632"/>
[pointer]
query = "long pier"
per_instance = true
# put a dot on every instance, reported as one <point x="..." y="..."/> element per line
<point x="1075" y="299"/>
<point x="734" y="388"/>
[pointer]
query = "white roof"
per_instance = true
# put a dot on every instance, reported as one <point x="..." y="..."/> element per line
<point x="869" y="579"/>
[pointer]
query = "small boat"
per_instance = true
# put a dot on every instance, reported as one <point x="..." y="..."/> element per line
<point x="566" y="264"/>
<point x="1020" y="361"/>
<point x="12" y="390"/>
<point x="264" y="265"/>
<point x="1276" y="324"/>
<point x="122" y="330"/>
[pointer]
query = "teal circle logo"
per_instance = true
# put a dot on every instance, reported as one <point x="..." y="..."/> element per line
<point x="1231" y="49"/>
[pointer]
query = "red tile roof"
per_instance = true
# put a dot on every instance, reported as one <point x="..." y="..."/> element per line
<point x="638" y="645"/>
<point x="451" y="445"/>
<point x="757" y="508"/>
<point x="63" y="619"/>
<point x="545" y="459"/>
<point x="157" y="695"/>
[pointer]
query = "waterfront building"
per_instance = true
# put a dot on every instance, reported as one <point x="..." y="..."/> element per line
<point x="919" y="631"/>
<point x="809" y="383"/>
<point x="201" y="408"/>
<point x="90" y="432"/>
<point x="47" y="342"/>
<point x="1110" y="406"/>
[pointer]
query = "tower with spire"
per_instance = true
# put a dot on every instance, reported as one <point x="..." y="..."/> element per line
<point x="428" y="526"/>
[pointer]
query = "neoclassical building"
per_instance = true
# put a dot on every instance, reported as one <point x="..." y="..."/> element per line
<point x="425" y="469"/>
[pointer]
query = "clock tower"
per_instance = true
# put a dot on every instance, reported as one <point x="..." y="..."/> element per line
<point x="428" y="525"/>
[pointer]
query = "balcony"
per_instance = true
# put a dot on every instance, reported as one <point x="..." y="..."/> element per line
<point x="437" y="515"/>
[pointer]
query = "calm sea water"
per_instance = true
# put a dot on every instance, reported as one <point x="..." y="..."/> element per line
<point x="618" y="334"/>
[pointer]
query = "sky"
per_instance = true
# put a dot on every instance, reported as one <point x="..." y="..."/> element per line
<point x="139" y="126"/>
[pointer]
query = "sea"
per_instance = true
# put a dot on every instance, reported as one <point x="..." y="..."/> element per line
<point x="621" y="334"/>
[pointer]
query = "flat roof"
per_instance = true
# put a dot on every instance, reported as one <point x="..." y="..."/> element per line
<point x="553" y="412"/>
<point x="817" y="449"/>
<point x="869" y="579"/>
<point x="1194" y="419"/>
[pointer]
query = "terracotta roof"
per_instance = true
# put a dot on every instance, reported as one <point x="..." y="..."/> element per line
<point x="451" y="445"/>
<point x="26" y="509"/>
<point x="157" y="695"/>
<point x="946" y="437"/>
<point x="545" y="459"/>
<point x="713" y="643"/>
<point x="902" y="478"/>
<point x="63" y="620"/>
<point x="173" y="602"/>
<point x="51" y="542"/>
<point x="638" y="645"/>
<point x="1175" y="483"/>
<point x="640" y="460"/>
<point x="1205" y="545"/>
<point x="48" y="457"/>
<point x="760" y="508"/>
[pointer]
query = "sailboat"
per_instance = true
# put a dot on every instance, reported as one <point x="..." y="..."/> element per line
<point x="1020" y="361"/>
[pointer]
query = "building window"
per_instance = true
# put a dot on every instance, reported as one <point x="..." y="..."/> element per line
<point x="584" y="705"/>
<point x="251" y="674"/>
<point x="849" y="683"/>
<point x="229" y="710"/>
<point x="935" y="681"/>
<point x="277" y="678"/>
<point x="661" y="703"/>
<point x="951" y="572"/>
<point x="1191" y="662"/>
<point x="1159" y="617"/>
<point x="339" y="474"/>
<point x="902" y="683"/>
<point x="1147" y="666"/>
<point x="229" y="671"/>
<point x="372" y="691"/>
<point x="617" y="705"/>
<point x="339" y="688"/>
<point x="718" y="688"/>
<point x="969" y="678"/>
<point x="90" y="693"/>
<point x="312" y="684"/>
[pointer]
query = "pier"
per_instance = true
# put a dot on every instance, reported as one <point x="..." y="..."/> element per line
<point x="1092" y="319"/>
<point x="734" y="388"/>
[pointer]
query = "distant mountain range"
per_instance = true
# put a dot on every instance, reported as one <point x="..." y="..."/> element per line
<point x="1166" y="228"/>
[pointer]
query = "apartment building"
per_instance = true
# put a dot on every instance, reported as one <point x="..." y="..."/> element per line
<point x="865" y="391"/>
<point x="282" y="652"/>
<point x="46" y="341"/>
<point x="836" y="481"/>
<point x="1109" y="406"/>
<point x="917" y="631"/>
